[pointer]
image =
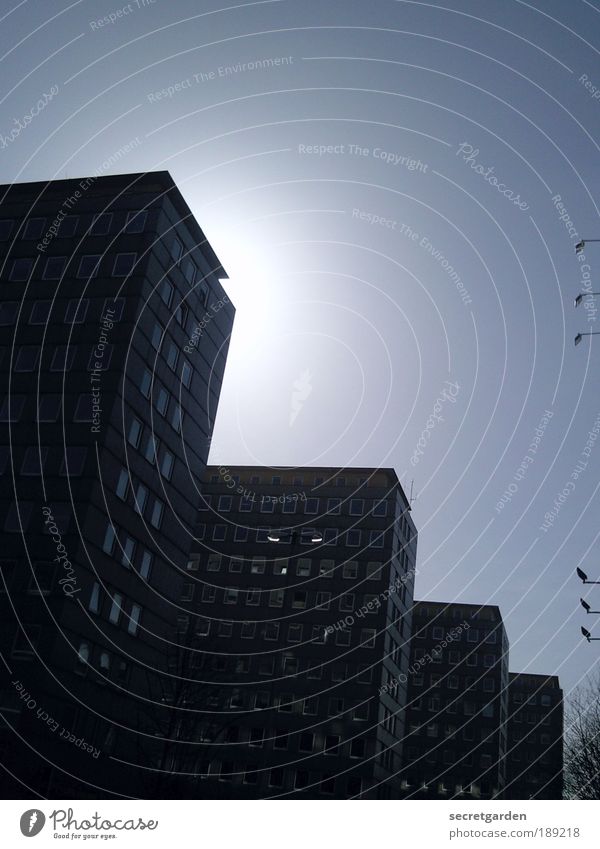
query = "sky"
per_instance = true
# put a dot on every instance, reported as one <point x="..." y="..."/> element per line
<point x="395" y="190"/>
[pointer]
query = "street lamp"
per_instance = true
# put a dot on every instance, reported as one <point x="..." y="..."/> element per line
<point x="581" y="574"/>
<point x="580" y="336"/>
<point x="582" y="295"/>
<point x="588" y="636"/>
<point x="586" y="607"/>
<point x="581" y="245"/>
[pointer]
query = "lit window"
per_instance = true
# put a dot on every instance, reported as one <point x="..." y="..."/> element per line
<point x="162" y="401"/>
<point x="108" y="545"/>
<point x="146" y="383"/>
<point x="141" y="497"/>
<point x="303" y="568"/>
<point x="157" y="335"/>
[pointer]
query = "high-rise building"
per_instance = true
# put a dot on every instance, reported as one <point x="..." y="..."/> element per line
<point x="297" y="621"/>
<point x="114" y="331"/>
<point x="535" y="737"/>
<point x="456" y="737"/>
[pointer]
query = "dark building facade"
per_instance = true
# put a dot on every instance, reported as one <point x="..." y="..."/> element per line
<point x="297" y="620"/>
<point x="456" y="739"/>
<point x="114" y="331"/>
<point x="535" y="737"/>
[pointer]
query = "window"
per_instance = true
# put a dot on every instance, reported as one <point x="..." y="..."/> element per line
<point x="350" y="569"/>
<point x="181" y="314"/>
<point x="122" y="486"/>
<point x="136" y="221"/>
<point x="39" y="312"/>
<point x="230" y="595"/>
<point x="27" y="358"/>
<point x="225" y="502"/>
<point x="9" y="310"/>
<point x="162" y="401"/>
<point x="146" y="383"/>
<point x="294" y="633"/>
<point x="219" y="533"/>
<point x="311" y="506"/>
<point x="332" y="744"/>
<point x="157" y="513"/>
<point x="176" y="250"/>
<point x="76" y="310"/>
<point x="367" y="637"/>
<point x="334" y="506"/>
<point x="166" y="292"/>
<point x="94" y="602"/>
<point x="276" y="598"/>
<point x="186" y="374"/>
<point x="146" y="565"/>
<point x="176" y="418"/>
<point x="374" y="569"/>
<point x="115" y="609"/>
<point x="357" y="506"/>
<point x="267" y="506"/>
<point x="323" y="600"/>
<point x="135" y="433"/>
<point x="166" y="464"/>
<point x="73" y="462"/>
<point x="342" y="638"/>
<point x="68" y="226"/>
<point x="473" y="635"/>
<point x="240" y="534"/>
<point x="49" y="408"/>
<point x="101" y="224"/>
<point x="248" y="630"/>
<point x="214" y="563"/>
<point x="299" y="600"/>
<point x="488" y="685"/>
<point x="134" y="620"/>
<point x="21" y="270"/>
<point x="63" y="358"/>
<point x="141" y="497"/>
<point x="33" y="461"/>
<point x="6" y="226"/>
<point x="271" y="631"/>
<point x="326" y="567"/>
<point x="204" y="294"/>
<point x="303" y="567"/>
<point x="190" y="271"/>
<point x="208" y="593"/>
<point x="489" y="660"/>
<point x="376" y="539"/>
<point x="124" y="264"/>
<point x="258" y="566"/>
<point x="151" y="449"/>
<point x="128" y="552"/>
<point x="172" y="356"/>
<point x="55" y="267"/>
<point x="347" y="602"/>
<point x="353" y="538"/>
<point x="108" y="546"/>
<point x="88" y="266"/>
<point x="380" y="508"/>
<point x="156" y="336"/>
<point x="289" y="507"/>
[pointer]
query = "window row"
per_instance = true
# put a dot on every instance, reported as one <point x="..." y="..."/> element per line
<point x="73" y="311"/>
<point x="119" y="544"/>
<point x="165" y="404"/>
<point x="91" y="657"/>
<point x="45" y="460"/>
<point x="138" y="495"/>
<point x="303" y="567"/>
<point x="289" y="503"/>
<point x="353" y="538"/>
<point x="298" y="480"/>
<point x="286" y="665"/>
<point x="278" y="778"/>
<point x="115" y="607"/>
<point x="100" y="225"/>
<point x="55" y="267"/>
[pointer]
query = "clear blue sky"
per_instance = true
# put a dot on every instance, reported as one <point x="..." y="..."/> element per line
<point x="312" y="140"/>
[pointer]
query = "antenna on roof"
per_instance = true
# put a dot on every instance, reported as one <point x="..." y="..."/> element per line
<point x="412" y="496"/>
